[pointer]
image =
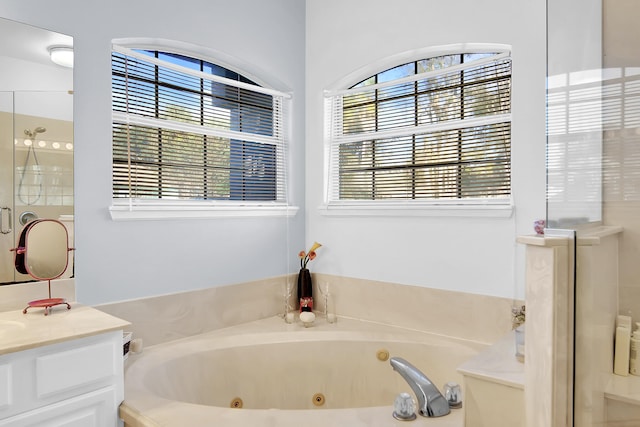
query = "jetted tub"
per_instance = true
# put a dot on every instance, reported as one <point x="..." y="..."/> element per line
<point x="269" y="373"/>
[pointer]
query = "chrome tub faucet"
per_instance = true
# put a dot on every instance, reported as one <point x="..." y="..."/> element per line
<point x="431" y="403"/>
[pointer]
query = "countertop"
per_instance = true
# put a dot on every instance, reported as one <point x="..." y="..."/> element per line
<point x="20" y="331"/>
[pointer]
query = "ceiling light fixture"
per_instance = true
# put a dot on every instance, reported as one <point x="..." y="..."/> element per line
<point x="62" y="55"/>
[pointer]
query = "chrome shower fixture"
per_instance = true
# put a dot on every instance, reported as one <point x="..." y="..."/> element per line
<point x="36" y="131"/>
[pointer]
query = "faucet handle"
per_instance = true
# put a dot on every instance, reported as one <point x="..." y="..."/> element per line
<point x="453" y="394"/>
<point x="404" y="407"/>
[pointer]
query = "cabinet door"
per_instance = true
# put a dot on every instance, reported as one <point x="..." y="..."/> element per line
<point x="42" y="376"/>
<point x="94" y="409"/>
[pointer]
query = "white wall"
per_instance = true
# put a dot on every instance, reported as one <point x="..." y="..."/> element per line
<point x="469" y="254"/>
<point x="124" y="260"/>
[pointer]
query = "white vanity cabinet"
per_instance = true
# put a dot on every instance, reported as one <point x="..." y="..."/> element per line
<point x="73" y="382"/>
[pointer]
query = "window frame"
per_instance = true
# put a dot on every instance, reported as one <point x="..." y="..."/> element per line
<point x="460" y="207"/>
<point x="122" y="208"/>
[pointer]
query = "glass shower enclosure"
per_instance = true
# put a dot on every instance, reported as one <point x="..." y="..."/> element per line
<point x="593" y="189"/>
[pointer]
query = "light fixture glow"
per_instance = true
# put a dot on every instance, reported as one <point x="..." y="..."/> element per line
<point x="69" y="146"/>
<point x="56" y="145"/>
<point x="42" y="144"/>
<point x="28" y="142"/>
<point x="62" y="55"/>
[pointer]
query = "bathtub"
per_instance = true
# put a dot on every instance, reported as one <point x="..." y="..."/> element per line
<point x="269" y="373"/>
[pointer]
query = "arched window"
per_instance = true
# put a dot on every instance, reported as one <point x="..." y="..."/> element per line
<point x="188" y="130"/>
<point x="435" y="130"/>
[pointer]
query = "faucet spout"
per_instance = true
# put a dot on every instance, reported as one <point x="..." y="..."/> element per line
<point x="431" y="402"/>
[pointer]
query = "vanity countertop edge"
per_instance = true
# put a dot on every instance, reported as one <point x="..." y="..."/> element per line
<point x="22" y="331"/>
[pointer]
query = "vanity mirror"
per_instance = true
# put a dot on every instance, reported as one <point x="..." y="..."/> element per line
<point x="43" y="253"/>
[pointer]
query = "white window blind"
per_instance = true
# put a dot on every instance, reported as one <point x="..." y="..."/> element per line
<point x="437" y="129"/>
<point x="188" y="130"/>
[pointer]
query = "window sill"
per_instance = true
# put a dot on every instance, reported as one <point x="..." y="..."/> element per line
<point x="423" y="209"/>
<point x="124" y="211"/>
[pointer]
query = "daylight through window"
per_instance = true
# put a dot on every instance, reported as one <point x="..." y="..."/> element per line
<point x="436" y="129"/>
<point x="186" y="129"/>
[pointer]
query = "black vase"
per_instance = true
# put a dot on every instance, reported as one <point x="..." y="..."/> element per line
<point x="305" y="290"/>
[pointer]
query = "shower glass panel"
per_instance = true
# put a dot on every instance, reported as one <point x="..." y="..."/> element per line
<point x="574" y="113"/>
<point x="36" y="173"/>
<point x="575" y="100"/>
<point x="593" y="149"/>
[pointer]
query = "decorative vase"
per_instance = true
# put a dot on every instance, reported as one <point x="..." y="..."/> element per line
<point x="305" y="290"/>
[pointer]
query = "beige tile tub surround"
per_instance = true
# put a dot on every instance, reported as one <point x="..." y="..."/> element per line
<point x="626" y="213"/>
<point x="596" y="311"/>
<point x="165" y="318"/>
<point x="549" y="337"/>
<point x="494" y="386"/>
<point x="549" y="285"/>
<point x="159" y="319"/>
<point x="479" y="319"/>
<point x="468" y="316"/>
<point x="157" y="376"/>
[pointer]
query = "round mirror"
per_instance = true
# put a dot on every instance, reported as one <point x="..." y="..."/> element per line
<point x="43" y="248"/>
<point x="43" y="253"/>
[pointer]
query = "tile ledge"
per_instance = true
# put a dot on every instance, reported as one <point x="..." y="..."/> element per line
<point x="540" y="240"/>
<point x="592" y="236"/>
<point x="586" y="237"/>
<point x="623" y="389"/>
<point x="497" y="364"/>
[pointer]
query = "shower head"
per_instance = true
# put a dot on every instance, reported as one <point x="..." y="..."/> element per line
<point x="36" y="131"/>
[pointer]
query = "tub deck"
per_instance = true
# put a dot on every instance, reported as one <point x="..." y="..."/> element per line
<point x="145" y="406"/>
